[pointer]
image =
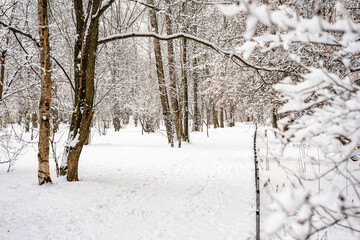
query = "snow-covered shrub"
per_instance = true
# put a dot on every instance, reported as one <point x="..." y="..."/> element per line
<point x="321" y="110"/>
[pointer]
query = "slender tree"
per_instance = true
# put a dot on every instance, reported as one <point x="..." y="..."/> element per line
<point x="45" y="98"/>
<point x="161" y="77"/>
<point x="196" y="115"/>
<point x="173" y="86"/>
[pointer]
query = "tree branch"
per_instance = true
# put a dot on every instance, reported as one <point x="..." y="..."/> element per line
<point x="190" y="37"/>
<point x="29" y="36"/>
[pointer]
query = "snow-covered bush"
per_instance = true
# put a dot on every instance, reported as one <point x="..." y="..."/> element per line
<point x="322" y="107"/>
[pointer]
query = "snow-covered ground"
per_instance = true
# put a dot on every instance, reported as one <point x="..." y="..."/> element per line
<point x="136" y="187"/>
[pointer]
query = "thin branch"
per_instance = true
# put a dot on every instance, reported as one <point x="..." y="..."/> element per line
<point x="16" y="30"/>
<point x="29" y="36"/>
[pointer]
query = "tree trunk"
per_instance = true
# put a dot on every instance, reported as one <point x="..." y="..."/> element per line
<point x="79" y="59"/>
<point x="2" y="61"/>
<point x="34" y="124"/>
<point x="185" y="79"/>
<point x="173" y="88"/>
<point x="88" y="138"/>
<point x="86" y="48"/>
<point x="117" y="124"/>
<point x="274" y="118"/>
<point x="196" y="118"/>
<point x="185" y="97"/>
<point x="45" y="99"/>
<point x="215" y="118"/>
<point x="34" y="120"/>
<point x="2" y="71"/>
<point x="221" y="117"/>
<point x="232" y="116"/>
<point x="161" y="78"/>
<point x="27" y="121"/>
<point x="208" y="114"/>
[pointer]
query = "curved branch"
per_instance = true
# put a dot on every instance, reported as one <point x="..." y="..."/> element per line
<point x="190" y="37"/>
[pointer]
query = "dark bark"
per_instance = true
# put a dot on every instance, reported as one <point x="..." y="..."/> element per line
<point x="27" y="121"/>
<point x="185" y="96"/>
<point x="117" y="124"/>
<point x="3" y="58"/>
<point x="197" y="116"/>
<point x="34" y="120"/>
<point x="161" y="78"/>
<point x="208" y="116"/>
<point x="232" y="116"/>
<point x="79" y="93"/>
<point x="214" y="117"/>
<point x="274" y="118"/>
<point x="85" y="56"/>
<point x="173" y="86"/>
<point x="221" y="118"/>
<point x="2" y="71"/>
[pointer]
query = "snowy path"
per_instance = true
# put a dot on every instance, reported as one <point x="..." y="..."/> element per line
<point x="136" y="187"/>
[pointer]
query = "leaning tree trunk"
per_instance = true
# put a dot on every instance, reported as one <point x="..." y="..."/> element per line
<point x="161" y="78"/>
<point x="45" y="99"/>
<point x="173" y="89"/>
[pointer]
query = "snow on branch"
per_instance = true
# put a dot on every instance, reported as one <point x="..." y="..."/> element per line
<point x="104" y="5"/>
<point x="294" y="28"/>
<point x="193" y="38"/>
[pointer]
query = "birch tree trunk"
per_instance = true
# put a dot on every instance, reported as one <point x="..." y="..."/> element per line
<point x="45" y="98"/>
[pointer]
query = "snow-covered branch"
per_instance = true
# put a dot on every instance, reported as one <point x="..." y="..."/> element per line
<point x="193" y="38"/>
